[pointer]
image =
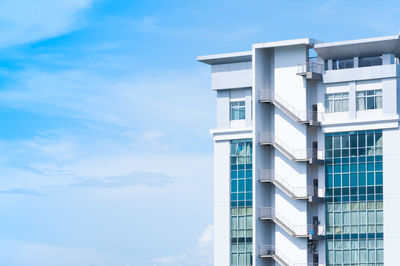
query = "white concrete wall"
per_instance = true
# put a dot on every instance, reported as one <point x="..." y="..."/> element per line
<point x="223" y="109"/>
<point x="228" y="76"/>
<point x="221" y="203"/>
<point x="292" y="88"/>
<point x="262" y="66"/>
<point x="361" y="73"/>
<point x="224" y="97"/>
<point x="391" y="195"/>
<point x="288" y="84"/>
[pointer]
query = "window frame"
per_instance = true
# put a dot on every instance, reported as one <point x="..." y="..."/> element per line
<point x="368" y="98"/>
<point x="238" y="106"/>
<point x="331" y="99"/>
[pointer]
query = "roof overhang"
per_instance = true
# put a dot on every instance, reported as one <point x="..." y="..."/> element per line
<point x="225" y="58"/>
<point x="304" y="41"/>
<point x="359" y="48"/>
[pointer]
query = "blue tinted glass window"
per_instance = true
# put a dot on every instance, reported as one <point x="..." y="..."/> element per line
<point x="249" y="173"/>
<point x="370" y="179"/>
<point x="234" y="185"/>
<point x="241" y="202"/>
<point x="241" y="184"/>
<point x="352" y="207"/>
<point x="361" y="179"/>
<point x="249" y="185"/>
<point x="241" y="174"/>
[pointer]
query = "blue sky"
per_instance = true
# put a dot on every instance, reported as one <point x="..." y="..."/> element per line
<point x="106" y="158"/>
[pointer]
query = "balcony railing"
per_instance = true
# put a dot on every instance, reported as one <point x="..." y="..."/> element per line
<point x="303" y="117"/>
<point x="309" y="154"/>
<point x="293" y="192"/>
<point x="310" y="67"/>
<point x="307" y="230"/>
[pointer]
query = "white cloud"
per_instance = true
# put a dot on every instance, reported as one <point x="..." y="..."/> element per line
<point x="206" y="237"/>
<point x="26" y="21"/>
<point x="163" y="98"/>
<point x="200" y="254"/>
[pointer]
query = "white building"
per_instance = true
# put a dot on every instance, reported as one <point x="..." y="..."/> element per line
<point x="306" y="150"/>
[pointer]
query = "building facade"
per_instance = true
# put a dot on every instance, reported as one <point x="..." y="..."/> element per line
<point x="307" y="153"/>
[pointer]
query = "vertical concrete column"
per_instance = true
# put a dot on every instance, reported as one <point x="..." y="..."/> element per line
<point x="330" y="64"/>
<point x="352" y="100"/>
<point x="389" y="96"/>
<point x="388" y="59"/>
<point x="356" y="63"/>
<point x="249" y="108"/>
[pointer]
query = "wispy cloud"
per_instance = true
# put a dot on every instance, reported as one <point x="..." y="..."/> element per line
<point x="200" y="254"/>
<point x="26" y="21"/>
<point x="21" y="191"/>
<point x="85" y="95"/>
<point x="128" y="180"/>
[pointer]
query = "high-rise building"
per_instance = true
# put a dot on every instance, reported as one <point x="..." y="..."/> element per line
<point x="307" y="153"/>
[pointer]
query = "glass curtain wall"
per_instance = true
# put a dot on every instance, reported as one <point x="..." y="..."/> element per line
<point x="354" y="198"/>
<point x="241" y="202"/>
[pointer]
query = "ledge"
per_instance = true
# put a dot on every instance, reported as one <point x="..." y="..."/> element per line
<point x="232" y="133"/>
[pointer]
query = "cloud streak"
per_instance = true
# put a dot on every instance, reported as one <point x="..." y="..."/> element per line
<point x="27" y="21"/>
<point x="21" y="191"/>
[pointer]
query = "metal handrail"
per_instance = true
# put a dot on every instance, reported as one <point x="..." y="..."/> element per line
<point x="294" y="154"/>
<point x="271" y="251"/>
<point x="295" y="192"/>
<point x="299" y="116"/>
<point x="310" y="67"/>
<point x="294" y="230"/>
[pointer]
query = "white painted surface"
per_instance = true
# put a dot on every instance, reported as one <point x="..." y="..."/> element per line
<point x="360" y="73"/>
<point x="229" y="76"/>
<point x="221" y="203"/>
<point x="391" y="195"/>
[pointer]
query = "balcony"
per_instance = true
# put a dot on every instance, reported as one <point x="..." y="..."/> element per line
<point x="310" y="193"/>
<point x="311" y="118"/>
<point x="311" y="71"/>
<point x="312" y="156"/>
<point x="310" y="231"/>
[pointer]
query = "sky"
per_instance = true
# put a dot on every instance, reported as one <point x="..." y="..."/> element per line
<point x="105" y="150"/>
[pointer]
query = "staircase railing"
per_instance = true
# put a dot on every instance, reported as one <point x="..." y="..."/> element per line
<point x="269" y="251"/>
<point x="293" y="192"/>
<point x="269" y="138"/>
<point x="303" y="117"/>
<point x="269" y="213"/>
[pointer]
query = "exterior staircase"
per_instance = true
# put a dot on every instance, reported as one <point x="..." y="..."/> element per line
<point x="269" y="251"/>
<point x="298" y="193"/>
<point x="311" y="118"/>
<point x="303" y="231"/>
<point x="298" y="155"/>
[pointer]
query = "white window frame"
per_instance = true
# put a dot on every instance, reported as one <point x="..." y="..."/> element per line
<point x="241" y="109"/>
<point x="366" y="97"/>
<point x="336" y="102"/>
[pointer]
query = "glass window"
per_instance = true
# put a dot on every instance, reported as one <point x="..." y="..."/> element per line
<point x="337" y="102"/>
<point x="368" y="100"/>
<point x="238" y="110"/>
<point x="370" y="61"/>
<point x="241" y="201"/>
<point x="354" y="209"/>
<point x="343" y="63"/>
